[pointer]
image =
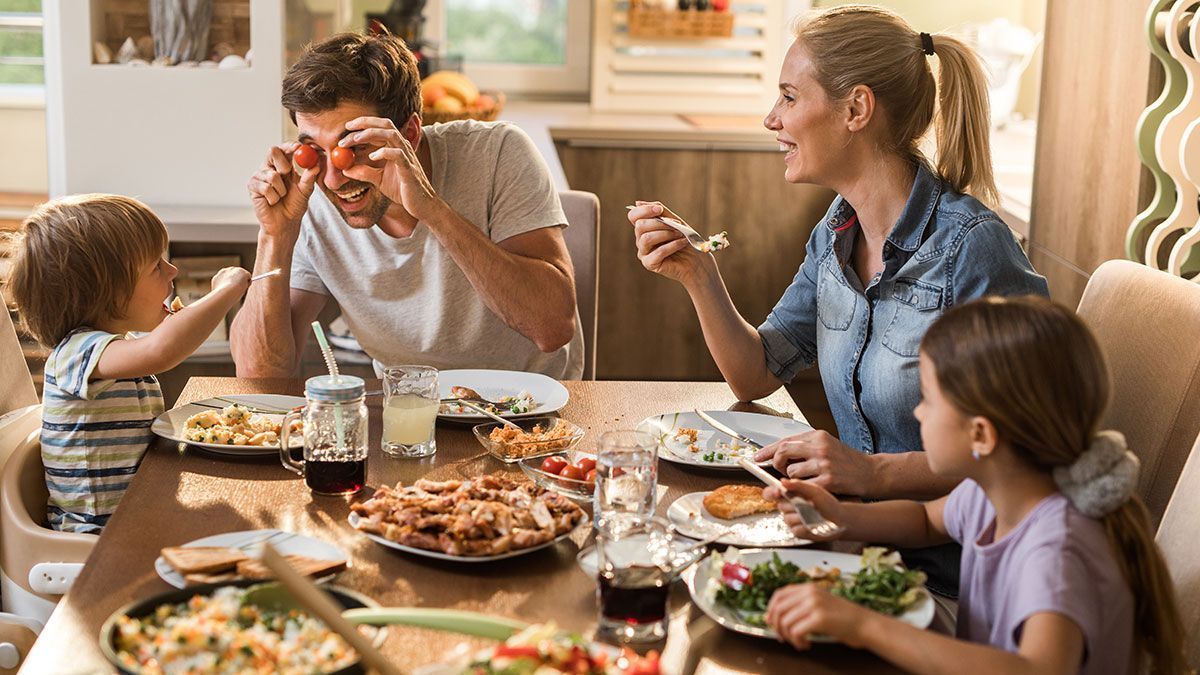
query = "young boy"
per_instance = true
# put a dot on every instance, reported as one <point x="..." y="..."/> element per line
<point x="88" y="270"/>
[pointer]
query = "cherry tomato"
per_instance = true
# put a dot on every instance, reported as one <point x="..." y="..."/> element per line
<point x="553" y="464"/>
<point x="571" y="471"/>
<point x="735" y="575"/>
<point x="590" y="476"/>
<point x="305" y="156"/>
<point x="587" y="464"/>
<point x="342" y="158"/>
<point x="518" y="652"/>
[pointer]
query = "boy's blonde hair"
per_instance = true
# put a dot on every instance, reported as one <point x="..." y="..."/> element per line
<point x="77" y="259"/>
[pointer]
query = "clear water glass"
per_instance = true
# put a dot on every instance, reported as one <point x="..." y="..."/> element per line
<point x="410" y="408"/>
<point x="626" y="474"/>
<point x="635" y="557"/>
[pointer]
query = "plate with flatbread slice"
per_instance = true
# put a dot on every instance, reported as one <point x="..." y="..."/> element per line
<point x="738" y="513"/>
<point x="234" y="555"/>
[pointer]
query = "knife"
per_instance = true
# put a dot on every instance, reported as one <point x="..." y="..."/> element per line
<point x="726" y="430"/>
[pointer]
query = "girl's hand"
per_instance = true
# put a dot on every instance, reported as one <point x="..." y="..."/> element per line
<point x="824" y="502"/>
<point x="231" y="276"/>
<point x="663" y="249"/>
<point x="392" y="166"/>
<point x="798" y="611"/>
<point x="823" y="459"/>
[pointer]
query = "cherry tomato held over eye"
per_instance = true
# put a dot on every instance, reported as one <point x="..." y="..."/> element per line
<point x="553" y="465"/>
<point x="587" y="464"/>
<point x="573" y="472"/>
<point x="305" y="156"/>
<point x="342" y="158"/>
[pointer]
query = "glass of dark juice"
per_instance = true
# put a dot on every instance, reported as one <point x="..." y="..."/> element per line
<point x="635" y="556"/>
<point x="333" y="424"/>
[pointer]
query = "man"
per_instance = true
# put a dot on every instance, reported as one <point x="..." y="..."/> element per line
<point x="442" y="245"/>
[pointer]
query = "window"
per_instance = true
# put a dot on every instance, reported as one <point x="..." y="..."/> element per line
<point x="21" y="42"/>
<point x="527" y="46"/>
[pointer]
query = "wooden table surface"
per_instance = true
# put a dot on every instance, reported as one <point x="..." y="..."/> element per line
<point x="179" y="495"/>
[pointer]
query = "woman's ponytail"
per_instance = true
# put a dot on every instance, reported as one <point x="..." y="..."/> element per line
<point x="962" y="122"/>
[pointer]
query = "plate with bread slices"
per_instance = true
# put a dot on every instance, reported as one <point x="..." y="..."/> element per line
<point x="233" y="556"/>
<point x="738" y="515"/>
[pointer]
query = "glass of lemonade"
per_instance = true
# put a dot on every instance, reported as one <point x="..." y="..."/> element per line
<point x="410" y="408"/>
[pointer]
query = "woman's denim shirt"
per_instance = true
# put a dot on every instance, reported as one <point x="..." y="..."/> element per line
<point x="946" y="248"/>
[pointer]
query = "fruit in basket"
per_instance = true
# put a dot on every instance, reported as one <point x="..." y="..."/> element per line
<point x="484" y="102"/>
<point x="305" y="156"/>
<point x="431" y="94"/>
<point x="342" y="158"/>
<point x="454" y="84"/>
<point x="448" y="104"/>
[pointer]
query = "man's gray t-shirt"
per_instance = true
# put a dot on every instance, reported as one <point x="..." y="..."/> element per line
<point x="406" y="300"/>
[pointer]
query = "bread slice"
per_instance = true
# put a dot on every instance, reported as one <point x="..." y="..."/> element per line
<point x="309" y="567"/>
<point x="202" y="559"/>
<point x="198" y="579"/>
<point x="735" y="501"/>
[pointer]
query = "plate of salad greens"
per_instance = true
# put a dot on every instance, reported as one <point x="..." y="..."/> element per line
<point x="734" y="588"/>
<point x="685" y="438"/>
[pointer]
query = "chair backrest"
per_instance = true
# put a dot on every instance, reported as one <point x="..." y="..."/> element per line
<point x="583" y="242"/>
<point x="1177" y="539"/>
<point x="1148" y="324"/>
<point x="18" y="391"/>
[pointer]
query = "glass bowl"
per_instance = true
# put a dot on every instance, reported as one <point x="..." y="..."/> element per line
<point x="510" y="449"/>
<point x="578" y="490"/>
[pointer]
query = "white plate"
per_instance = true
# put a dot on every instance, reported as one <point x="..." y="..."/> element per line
<point x="690" y="519"/>
<point x="548" y="394"/>
<point x="354" y="518"/>
<point x="286" y="543"/>
<point x="764" y="429"/>
<point x="703" y="580"/>
<point x="171" y="424"/>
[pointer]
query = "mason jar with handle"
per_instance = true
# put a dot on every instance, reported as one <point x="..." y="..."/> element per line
<point x="335" y="435"/>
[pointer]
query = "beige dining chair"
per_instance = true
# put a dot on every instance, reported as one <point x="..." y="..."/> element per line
<point x="18" y="391"/>
<point x="583" y="242"/>
<point x="1148" y="324"/>
<point x="17" y="633"/>
<point x="1177" y="539"/>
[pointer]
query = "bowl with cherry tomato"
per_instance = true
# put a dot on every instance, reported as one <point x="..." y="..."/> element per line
<point x="572" y="474"/>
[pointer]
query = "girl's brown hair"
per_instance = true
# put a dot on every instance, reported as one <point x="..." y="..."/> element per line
<point x="1036" y="372"/>
<point x="77" y="259"/>
<point x="860" y="44"/>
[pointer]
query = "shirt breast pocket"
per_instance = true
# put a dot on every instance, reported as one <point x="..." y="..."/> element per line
<point x="917" y="306"/>
<point x="836" y="302"/>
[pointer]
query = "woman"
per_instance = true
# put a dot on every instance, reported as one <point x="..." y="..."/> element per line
<point x="903" y="242"/>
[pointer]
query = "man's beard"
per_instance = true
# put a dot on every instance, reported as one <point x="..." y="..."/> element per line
<point x="372" y="214"/>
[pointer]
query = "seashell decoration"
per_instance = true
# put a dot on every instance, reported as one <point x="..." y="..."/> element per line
<point x="188" y="64"/>
<point x="145" y="47"/>
<point x="163" y="61"/>
<point x="208" y="64"/>
<point x="127" y="52"/>
<point x="139" y="62"/>
<point x="250" y="57"/>
<point x="221" y="50"/>
<point x="101" y="53"/>
<point x="232" y="61"/>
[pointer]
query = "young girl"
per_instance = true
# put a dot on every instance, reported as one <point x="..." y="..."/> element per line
<point x="1060" y="573"/>
<point x="87" y="271"/>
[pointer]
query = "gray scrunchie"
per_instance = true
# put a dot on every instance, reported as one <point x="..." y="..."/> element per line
<point x="1102" y="478"/>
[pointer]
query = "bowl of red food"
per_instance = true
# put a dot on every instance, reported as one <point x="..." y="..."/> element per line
<point x="572" y="474"/>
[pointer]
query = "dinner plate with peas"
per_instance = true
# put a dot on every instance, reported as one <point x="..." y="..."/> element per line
<point x="733" y="588"/>
<point x="685" y="438"/>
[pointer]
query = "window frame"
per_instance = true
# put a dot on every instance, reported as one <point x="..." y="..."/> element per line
<point x="571" y="80"/>
<point x="23" y="95"/>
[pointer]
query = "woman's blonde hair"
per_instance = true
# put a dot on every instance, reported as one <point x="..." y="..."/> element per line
<point x="77" y="259"/>
<point x="860" y="44"/>
<point x="1036" y="372"/>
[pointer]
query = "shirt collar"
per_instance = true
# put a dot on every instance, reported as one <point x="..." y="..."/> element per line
<point x="910" y="228"/>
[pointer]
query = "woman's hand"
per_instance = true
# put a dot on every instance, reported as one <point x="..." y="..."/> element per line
<point x="825" y="461"/>
<point x="663" y="249"/>
<point x="393" y="166"/>
<point x="798" y="611"/>
<point x="825" y="503"/>
<point x="280" y="194"/>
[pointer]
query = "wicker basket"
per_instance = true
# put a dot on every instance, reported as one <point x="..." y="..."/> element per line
<point x="649" y="22"/>
<point x="430" y="116"/>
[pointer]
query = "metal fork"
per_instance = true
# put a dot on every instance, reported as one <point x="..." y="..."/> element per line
<point x="694" y="238"/>
<point x="813" y="521"/>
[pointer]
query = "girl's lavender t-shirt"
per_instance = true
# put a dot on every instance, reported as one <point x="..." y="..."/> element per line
<point x="1057" y="560"/>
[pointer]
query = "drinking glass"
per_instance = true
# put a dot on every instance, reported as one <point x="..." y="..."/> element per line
<point x="626" y="474"/>
<point x="335" y="436"/>
<point x="635" y="557"/>
<point x="410" y="408"/>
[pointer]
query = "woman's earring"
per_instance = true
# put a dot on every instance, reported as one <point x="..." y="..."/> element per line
<point x="975" y="454"/>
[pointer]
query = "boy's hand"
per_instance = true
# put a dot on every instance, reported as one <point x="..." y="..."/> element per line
<point x="824" y="502"/>
<point x="231" y="276"/>
<point x="798" y="611"/>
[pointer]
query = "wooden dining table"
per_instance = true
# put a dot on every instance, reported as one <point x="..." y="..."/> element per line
<point x="181" y="493"/>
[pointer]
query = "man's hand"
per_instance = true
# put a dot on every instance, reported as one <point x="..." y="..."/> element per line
<point x="279" y="194"/>
<point x="393" y="167"/>
<point x="824" y="460"/>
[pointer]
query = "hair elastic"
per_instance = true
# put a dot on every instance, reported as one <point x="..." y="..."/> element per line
<point x="927" y="44"/>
